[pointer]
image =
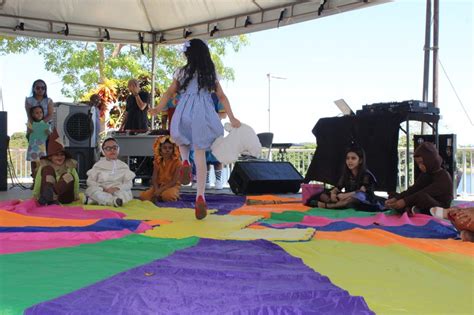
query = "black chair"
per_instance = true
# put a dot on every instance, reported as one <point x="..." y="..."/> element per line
<point x="266" y="140"/>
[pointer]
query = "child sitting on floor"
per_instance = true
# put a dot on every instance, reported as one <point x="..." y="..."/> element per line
<point x="166" y="168"/>
<point x="110" y="180"/>
<point x="56" y="178"/>
<point x="358" y="184"/>
<point x="432" y="188"/>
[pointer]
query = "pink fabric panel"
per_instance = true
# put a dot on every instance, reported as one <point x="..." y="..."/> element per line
<point x="31" y="208"/>
<point x="18" y="242"/>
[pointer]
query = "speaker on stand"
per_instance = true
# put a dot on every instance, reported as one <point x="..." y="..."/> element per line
<point x="76" y="128"/>
<point x="3" y="151"/>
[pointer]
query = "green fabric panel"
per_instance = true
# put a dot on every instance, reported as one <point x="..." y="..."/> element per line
<point x="393" y="279"/>
<point x="297" y="216"/>
<point x="30" y="278"/>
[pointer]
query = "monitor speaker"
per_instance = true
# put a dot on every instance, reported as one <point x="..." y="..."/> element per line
<point x="264" y="177"/>
<point x="85" y="158"/>
<point x="3" y="151"/>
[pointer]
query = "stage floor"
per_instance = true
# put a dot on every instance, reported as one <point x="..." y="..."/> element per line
<point x="258" y="254"/>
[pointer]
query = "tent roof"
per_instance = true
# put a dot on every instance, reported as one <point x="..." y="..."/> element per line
<point x="161" y="21"/>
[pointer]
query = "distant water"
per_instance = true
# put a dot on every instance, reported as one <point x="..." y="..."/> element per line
<point x="469" y="184"/>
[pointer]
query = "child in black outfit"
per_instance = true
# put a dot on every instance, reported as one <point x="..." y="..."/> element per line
<point x="355" y="188"/>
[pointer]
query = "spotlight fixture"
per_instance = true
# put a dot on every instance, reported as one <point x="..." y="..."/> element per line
<point x="321" y="7"/>
<point x="214" y="30"/>
<point x="247" y="21"/>
<point x="107" y="34"/>
<point x="186" y="33"/>
<point x="141" y="38"/>
<point x="20" y="26"/>
<point x="161" y="39"/>
<point x="282" y="14"/>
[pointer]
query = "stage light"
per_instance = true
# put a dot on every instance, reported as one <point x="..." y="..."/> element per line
<point x="214" y="30"/>
<point x="20" y="26"/>
<point x="247" y="21"/>
<point x="65" y="31"/>
<point x="282" y="14"/>
<point x="107" y="34"/>
<point x="141" y="38"/>
<point x="186" y="33"/>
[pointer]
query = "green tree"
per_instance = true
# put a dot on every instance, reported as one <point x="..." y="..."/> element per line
<point x="83" y="65"/>
<point x="18" y="140"/>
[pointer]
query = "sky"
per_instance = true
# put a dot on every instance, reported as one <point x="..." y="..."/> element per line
<point x="364" y="56"/>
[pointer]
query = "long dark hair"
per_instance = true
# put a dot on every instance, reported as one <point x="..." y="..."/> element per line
<point x="361" y="170"/>
<point x="199" y="60"/>
<point x="33" y="93"/>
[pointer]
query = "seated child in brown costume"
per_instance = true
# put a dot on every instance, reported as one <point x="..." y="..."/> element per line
<point x="357" y="182"/>
<point x="56" y="179"/>
<point x="166" y="168"/>
<point x="432" y="188"/>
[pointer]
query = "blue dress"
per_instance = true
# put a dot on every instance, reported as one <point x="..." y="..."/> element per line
<point x="195" y="121"/>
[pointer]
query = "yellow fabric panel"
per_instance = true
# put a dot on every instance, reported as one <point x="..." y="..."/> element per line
<point x="393" y="279"/>
<point x="213" y="226"/>
<point x="289" y="235"/>
<point x="146" y="210"/>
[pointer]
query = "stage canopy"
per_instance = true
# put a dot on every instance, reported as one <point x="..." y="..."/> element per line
<point x="159" y="21"/>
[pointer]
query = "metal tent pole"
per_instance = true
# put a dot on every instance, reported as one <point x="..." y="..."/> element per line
<point x="153" y="64"/>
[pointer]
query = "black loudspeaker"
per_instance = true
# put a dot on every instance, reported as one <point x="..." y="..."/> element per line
<point x="446" y="148"/>
<point x="85" y="158"/>
<point x="263" y="177"/>
<point x="3" y="151"/>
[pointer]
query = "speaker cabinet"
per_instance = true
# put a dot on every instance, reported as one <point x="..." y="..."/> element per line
<point x="76" y="125"/>
<point x="446" y="148"/>
<point x="3" y="151"/>
<point x="85" y="158"/>
<point x="262" y="177"/>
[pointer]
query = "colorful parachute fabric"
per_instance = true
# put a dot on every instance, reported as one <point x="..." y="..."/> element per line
<point x="267" y="257"/>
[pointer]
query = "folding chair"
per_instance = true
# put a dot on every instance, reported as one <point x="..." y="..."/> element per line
<point x="266" y="140"/>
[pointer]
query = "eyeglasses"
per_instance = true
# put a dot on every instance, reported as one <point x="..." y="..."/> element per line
<point x="40" y="88"/>
<point x="114" y="147"/>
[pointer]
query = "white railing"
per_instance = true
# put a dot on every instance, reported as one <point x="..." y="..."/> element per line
<point x="301" y="159"/>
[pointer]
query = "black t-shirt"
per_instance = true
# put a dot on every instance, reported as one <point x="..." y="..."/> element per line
<point x="136" y="118"/>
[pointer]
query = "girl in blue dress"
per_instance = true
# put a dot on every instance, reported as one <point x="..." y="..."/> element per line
<point x="195" y="123"/>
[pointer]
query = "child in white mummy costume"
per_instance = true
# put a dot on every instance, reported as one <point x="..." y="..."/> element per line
<point x="110" y="180"/>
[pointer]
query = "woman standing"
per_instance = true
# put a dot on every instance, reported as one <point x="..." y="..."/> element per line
<point x="39" y="98"/>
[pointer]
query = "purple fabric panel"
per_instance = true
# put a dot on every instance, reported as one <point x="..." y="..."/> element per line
<point x="432" y="229"/>
<point x="214" y="277"/>
<point x="223" y="203"/>
<point x="31" y="208"/>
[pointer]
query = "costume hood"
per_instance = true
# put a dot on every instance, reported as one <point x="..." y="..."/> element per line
<point x="430" y="155"/>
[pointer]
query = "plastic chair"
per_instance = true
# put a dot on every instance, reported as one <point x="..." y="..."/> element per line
<point x="266" y="140"/>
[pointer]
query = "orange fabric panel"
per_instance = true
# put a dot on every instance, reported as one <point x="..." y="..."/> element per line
<point x="8" y="218"/>
<point x="266" y="210"/>
<point x="383" y="238"/>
